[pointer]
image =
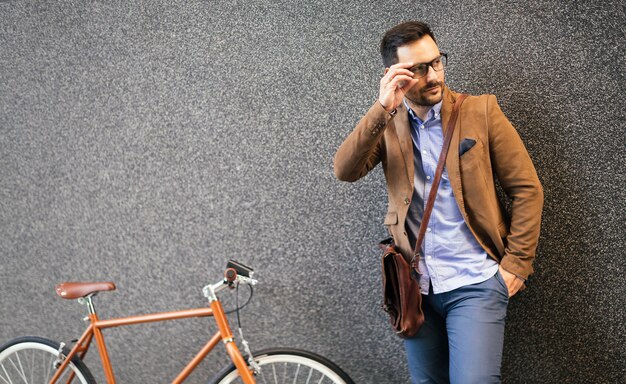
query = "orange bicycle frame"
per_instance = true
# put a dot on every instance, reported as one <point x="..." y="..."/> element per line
<point x="216" y="310"/>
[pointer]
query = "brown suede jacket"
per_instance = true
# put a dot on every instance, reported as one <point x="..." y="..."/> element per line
<point x="498" y="152"/>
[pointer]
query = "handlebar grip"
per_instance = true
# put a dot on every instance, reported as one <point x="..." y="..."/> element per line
<point x="230" y="274"/>
<point x="242" y="270"/>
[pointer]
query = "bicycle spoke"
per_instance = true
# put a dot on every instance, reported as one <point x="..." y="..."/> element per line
<point x="296" y="375"/>
<point x="7" y="374"/>
<point x="17" y="370"/>
<point x="274" y="371"/>
<point x="19" y="362"/>
<point x="284" y="373"/>
<point x="44" y="367"/>
<point x="309" y="377"/>
<point x="48" y="367"/>
<point x="32" y="363"/>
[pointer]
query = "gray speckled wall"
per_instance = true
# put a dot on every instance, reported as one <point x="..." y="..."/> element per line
<point x="148" y="142"/>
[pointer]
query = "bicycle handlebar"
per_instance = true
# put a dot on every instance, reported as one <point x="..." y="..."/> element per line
<point x="234" y="273"/>
<point x="240" y="268"/>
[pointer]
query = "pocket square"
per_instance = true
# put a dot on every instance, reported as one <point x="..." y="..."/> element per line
<point x="465" y="146"/>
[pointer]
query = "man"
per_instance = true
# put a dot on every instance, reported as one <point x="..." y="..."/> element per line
<point x="474" y="257"/>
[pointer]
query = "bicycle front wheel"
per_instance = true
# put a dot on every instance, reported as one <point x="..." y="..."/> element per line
<point x="289" y="366"/>
<point x="34" y="360"/>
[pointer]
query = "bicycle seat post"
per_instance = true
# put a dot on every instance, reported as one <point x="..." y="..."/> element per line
<point x="89" y="303"/>
<point x="96" y="332"/>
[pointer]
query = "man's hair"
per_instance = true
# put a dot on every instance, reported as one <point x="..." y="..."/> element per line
<point x="400" y="35"/>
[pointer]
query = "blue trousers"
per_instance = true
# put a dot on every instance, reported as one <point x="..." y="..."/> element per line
<point x="462" y="338"/>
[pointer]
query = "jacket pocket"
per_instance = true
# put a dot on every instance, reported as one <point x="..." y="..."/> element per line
<point x="475" y="152"/>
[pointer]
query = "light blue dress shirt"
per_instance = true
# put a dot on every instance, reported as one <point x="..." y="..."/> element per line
<point x="451" y="257"/>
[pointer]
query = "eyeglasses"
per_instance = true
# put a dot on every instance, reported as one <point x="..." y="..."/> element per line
<point x="421" y="70"/>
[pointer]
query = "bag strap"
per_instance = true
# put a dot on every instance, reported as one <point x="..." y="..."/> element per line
<point x="438" y="172"/>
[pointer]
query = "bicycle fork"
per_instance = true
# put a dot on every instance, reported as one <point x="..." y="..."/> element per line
<point x="255" y="367"/>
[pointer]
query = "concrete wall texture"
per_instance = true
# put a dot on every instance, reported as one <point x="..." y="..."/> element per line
<point x="147" y="142"/>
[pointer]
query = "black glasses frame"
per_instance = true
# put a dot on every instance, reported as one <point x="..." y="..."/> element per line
<point x="421" y="70"/>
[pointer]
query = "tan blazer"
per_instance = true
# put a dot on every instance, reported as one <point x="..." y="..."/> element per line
<point x="498" y="151"/>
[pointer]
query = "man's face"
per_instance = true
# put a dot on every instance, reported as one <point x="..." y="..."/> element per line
<point x="429" y="89"/>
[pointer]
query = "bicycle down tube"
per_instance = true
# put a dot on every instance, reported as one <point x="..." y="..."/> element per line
<point x="96" y="326"/>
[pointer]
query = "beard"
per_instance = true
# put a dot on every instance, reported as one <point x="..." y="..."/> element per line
<point x="428" y="95"/>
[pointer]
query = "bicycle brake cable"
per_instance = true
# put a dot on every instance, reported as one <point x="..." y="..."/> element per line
<point x="253" y="364"/>
<point x="237" y="308"/>
<point x="237" y="305"/>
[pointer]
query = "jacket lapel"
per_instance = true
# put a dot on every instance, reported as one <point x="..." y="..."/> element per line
<point x="403" y="130"/>
<point x="452" y="159"/>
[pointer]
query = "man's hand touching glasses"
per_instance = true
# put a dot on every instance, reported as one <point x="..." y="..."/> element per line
<point x="398" y="79"/>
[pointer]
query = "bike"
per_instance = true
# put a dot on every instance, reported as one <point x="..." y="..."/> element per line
<point x="34" y="359"/>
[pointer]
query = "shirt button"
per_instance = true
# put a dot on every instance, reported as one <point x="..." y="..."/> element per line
<point x="424" y="151"/>
<point x="406" y="201"/>
<point x="422" y="126"/>
<point x="429" y="257"/>
<point x="427" y="177"/>
<point x="428" y="229"/>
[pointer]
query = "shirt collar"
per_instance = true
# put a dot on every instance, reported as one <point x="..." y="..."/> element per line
<point x="435" y="111"/>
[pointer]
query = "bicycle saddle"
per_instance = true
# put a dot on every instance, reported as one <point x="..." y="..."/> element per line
<point x="70" y="290"/>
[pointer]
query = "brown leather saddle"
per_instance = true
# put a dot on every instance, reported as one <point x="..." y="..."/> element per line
<point x="70" y="290"/>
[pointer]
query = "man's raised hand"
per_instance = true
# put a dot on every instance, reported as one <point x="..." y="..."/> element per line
<point x="395" y="84"/>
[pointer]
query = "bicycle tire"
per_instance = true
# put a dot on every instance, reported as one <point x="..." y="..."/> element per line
<point x="291" y="365"/>
<point x="33" y="357"/>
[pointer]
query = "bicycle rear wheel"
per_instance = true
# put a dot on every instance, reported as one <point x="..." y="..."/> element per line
<point x="289" y="366"/>
<point x="32" y="360"/>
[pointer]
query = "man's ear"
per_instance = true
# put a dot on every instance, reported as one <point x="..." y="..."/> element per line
<point x="386" y="70"/>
